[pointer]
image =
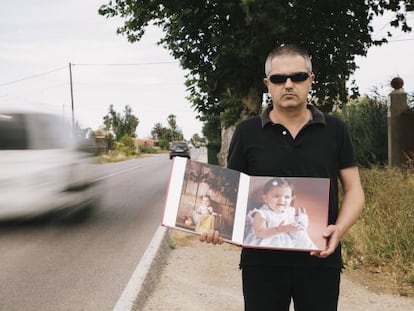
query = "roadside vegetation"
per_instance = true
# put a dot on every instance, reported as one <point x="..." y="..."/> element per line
<point x="119" y="155"/>
<point x="378" y="250"/>
<point x="120" y="142"/>
<point x="117" y="141"/>
<point x="115" y="157"/>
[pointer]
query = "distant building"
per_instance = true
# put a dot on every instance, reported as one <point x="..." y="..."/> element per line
<point x="100" y="140"/>
<point x="146" y="142"/>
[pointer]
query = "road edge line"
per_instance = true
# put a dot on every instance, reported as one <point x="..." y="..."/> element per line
<point x="146" y="273"/>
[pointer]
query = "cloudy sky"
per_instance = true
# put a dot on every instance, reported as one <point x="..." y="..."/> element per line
<point x="39" y="38"/>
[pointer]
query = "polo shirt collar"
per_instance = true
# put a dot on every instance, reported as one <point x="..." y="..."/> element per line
<point x="317" y="115"/>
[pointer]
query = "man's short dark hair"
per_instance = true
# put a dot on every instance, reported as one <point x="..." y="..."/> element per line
<point x="287" y="49"/>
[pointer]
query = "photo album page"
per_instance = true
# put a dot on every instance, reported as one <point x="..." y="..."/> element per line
<point x="286" y="213"/>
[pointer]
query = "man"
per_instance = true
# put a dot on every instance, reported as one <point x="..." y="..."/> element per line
<point x="294" y="139"/>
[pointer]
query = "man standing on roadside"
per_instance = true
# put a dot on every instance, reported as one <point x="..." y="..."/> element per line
<point x="294" y="139"/>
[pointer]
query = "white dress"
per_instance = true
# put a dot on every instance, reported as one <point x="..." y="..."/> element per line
<point x="298" y="240"/>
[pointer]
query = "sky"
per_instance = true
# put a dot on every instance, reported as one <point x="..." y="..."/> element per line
<point x="39" y="38"/>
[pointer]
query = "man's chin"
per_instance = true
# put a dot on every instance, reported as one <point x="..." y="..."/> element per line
<point x="291" y="105"/>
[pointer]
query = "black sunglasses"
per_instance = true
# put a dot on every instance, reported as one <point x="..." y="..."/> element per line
<point x="295" y="77"/>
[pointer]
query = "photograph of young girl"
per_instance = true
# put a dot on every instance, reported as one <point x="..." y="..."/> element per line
<point x="278" y="216"/>
<point x="208" y="199"/>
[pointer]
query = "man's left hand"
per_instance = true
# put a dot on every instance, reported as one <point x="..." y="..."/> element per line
<point x="332" y="234"/>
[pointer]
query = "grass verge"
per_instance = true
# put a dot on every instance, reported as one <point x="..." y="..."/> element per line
<point x="378" y="250"/>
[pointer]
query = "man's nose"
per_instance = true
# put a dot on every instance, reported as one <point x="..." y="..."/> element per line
<point x="288" y="83"/>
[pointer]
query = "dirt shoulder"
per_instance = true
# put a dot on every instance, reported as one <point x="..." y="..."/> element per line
<point x="198" y="276"/>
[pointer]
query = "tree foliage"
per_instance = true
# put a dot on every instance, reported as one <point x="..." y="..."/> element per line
<point x="121" y="125"/>
<point x="223" y="44"/>
<point x="170" y="133"/>
<point x="366" y="120"/>
<point x="158" y="131"/>
<point x="120" y="129"/>
<point x="195" y="140"/>
<point x="126" y="145"/>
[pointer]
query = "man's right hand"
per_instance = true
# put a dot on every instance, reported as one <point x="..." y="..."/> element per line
<point x="212" y="237"/>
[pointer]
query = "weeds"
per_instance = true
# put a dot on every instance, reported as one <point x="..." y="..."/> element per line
<point x="115" y="156"/>
<point x="180" y="238"/>
<point x="382" y="240"/>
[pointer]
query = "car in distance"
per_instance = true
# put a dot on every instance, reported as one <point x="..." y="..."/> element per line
<point x="43" y="170"/>
<point x="180" y="149"/>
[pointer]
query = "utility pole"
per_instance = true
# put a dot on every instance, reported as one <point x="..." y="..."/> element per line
<point x="71" y="94"/>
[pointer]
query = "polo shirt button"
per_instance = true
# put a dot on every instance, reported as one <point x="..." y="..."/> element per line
<point x="284" y="132"/>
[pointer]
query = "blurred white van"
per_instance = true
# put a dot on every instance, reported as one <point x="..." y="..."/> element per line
<point x="42" y="169"/>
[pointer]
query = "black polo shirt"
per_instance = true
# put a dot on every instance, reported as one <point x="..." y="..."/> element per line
<point x="322" y="147"/>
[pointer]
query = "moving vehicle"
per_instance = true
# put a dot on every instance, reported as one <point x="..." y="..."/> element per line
<point x="179" y="148"/>
<point x="43" y="169"/>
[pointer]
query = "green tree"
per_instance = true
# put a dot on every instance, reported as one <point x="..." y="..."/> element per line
<point x="126" y="145"/>
<point x="175" y="132"/>
<point x="121" y="125"/>
<point x="366" y="119"/>
<point x="170" y="133"/>
<point x="222" y="45"/>
<point x="195" y="140"/>
<point x="118" y="126"/>
<point x="172" y="122"/>
<point x="158" y="131"/>
<point x="162" y="134"/>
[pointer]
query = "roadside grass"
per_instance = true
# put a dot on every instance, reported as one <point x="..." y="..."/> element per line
<point x="180" y="238"/>
<point x="378" y="250"/>
<point x="117" y="156"/>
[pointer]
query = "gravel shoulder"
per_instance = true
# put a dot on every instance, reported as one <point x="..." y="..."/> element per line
<point x="198" y="276"/>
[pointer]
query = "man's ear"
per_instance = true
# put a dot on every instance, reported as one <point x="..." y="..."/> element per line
<point x="266" y="82"/>
<point x="312" y="77"/>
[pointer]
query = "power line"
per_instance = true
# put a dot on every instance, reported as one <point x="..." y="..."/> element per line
<point x="91" y="64"/>
<point x="23" y="93"/>
<point x="129" y="64"/>
<point x="33" y="76"/>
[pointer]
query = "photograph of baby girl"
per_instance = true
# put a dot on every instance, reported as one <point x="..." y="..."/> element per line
<point x="287" y="213"/>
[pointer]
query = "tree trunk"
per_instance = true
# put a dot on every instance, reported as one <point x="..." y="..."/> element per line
<point x="226" y="135"/>
<point x="252" y="106"/>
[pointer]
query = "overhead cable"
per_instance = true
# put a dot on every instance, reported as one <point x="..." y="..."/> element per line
<point x="33" y="76"/>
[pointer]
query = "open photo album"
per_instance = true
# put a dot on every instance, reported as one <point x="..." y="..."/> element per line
<point x="286" y="213"/>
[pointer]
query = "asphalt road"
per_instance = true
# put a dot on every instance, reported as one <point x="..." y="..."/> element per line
<point x="49" y="265"/>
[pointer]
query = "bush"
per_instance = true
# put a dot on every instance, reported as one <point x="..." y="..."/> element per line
<point x="126" y="145"/>
<point x="114" y="156"/>
<point x="366" y="120"/>
<point x="213" y="149"/>
<point x="164" y="144"/>
<point x="146" y="149"/>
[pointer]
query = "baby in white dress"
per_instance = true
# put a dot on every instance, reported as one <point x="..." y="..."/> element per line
<point x="277" y="223"/>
